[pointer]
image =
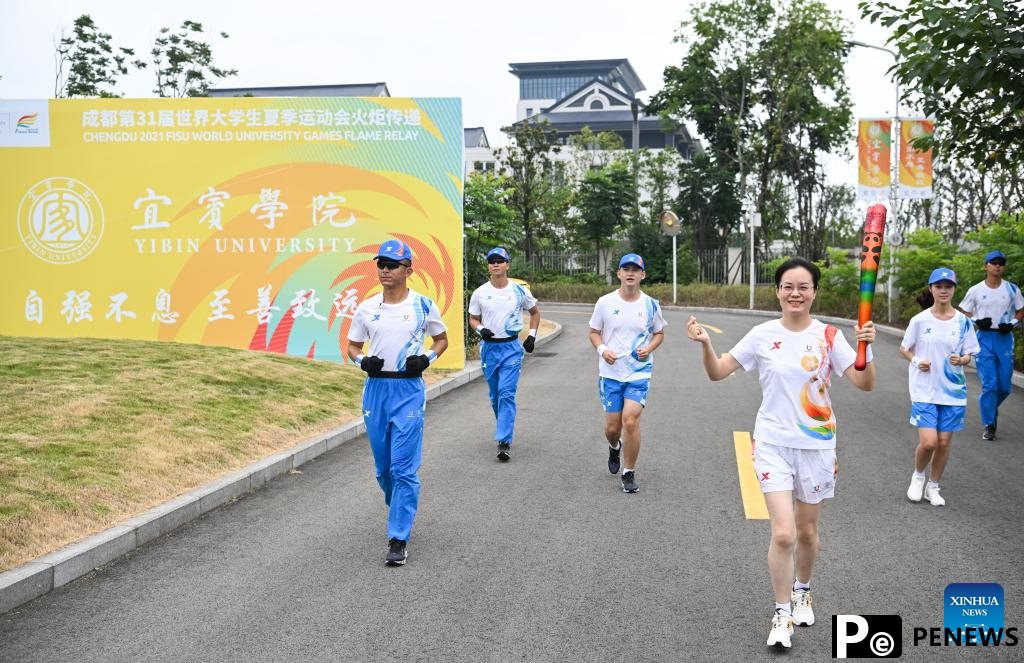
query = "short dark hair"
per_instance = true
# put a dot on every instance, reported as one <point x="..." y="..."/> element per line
<point x="793" y="263"/>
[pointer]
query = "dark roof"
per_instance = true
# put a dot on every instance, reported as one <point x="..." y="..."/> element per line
<point x="339" y="90"/>
<point x="619" y="67"/>
<point x="475" y="137"/>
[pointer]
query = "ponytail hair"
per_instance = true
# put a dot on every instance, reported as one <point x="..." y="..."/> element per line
<point x="925" y="299"/>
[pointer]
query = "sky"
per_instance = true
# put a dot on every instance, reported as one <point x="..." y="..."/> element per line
<point x="441" y="48"/>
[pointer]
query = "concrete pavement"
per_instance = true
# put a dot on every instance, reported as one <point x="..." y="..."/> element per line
<point x="544" y="558"/>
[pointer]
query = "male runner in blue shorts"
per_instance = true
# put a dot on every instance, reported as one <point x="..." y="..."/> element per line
<point x="626" y="327"/>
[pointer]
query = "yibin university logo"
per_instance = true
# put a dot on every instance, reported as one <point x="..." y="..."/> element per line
<point x="60" y="220"/>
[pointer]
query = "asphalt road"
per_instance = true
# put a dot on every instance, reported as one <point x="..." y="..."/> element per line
<point x="544" y="558"/>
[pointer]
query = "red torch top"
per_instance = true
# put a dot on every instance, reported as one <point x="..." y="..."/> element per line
<point x="875" y="222"/>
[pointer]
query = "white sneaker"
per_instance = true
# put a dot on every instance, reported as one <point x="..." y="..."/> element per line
<point x="782" y="629"/>
<point x="932" y="495"/>
<point x="916" y="490"/>
<point x="802" y="613"/>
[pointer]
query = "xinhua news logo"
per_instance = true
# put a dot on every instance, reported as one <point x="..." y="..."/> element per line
<point x="867" y="636"/>
<point x="972" y="616"/>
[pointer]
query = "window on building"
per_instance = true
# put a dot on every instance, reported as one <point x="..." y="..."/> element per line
<point x="596" y="104"/>
<point x="529" y="112"/>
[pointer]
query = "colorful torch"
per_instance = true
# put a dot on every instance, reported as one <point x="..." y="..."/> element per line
<point x="870" y="258"/>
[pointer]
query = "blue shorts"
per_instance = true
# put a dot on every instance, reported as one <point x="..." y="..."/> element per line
<point x="943" y="418"/>
<point x="613" y="393"/>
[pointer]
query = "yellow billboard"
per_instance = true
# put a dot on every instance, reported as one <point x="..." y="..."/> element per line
<point x="244" y="222"/>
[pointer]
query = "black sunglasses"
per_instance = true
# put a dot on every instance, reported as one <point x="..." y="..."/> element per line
<point x="496" y="261"/>
<point x="389" y="264"/>
<point x="998" y="263"/>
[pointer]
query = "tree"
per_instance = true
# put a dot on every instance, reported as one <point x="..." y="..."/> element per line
<point x="489" y="221"/>
<point x="658" y="174"/>
<point x="604" y="199"/>
<point x="961" y="62"/>
<point x="594" y="150"/>
<point x="807" y="109"/>
<point x="184" y="64"/>
<point x="92" y="63"/>
<point x="763" y="80"/>
<point x="708" y="204"/>
<point x="534" y="178"/>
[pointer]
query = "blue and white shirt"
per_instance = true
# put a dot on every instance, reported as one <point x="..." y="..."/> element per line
<point x="1000" y="303"/>
<point x="624" y="327"/>
<point x="935" y="340"/>
<point x="501" y="309"/>
<point x="396" y="331"/>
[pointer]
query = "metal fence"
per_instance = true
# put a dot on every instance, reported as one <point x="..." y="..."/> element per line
<point x="720" y="266"/>
<point x="555" y="262"/>
<point x="732" y="266"/>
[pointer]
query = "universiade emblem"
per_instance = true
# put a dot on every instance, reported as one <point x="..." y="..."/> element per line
<point x="60" y="220"/>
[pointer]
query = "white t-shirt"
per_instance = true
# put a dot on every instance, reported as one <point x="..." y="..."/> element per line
<point x="626" y="326"/>
<point x="501" y="309"/>
<point x="795" y="370"/>
<point x="395" y="331"/>
<point x="1000" y="303"/>
<point x="933" y="339"/>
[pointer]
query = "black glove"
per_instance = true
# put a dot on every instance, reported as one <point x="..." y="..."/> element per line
<point x="529" y="343"/>
<point x="485" y="333"/>
<point x="372" y="364"/>
<point x="417" y="364"/>
<point x="1005" y="327"/>
<point x="984" y="324"/>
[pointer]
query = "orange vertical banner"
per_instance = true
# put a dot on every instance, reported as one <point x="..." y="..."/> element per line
<point x="915" y="178"/>
<point x="874" y="159"/>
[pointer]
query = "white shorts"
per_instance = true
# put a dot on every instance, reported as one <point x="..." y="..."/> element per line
<point x="809" y="473"/>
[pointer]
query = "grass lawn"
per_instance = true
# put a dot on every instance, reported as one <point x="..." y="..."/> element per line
<point x="94" y="431"/>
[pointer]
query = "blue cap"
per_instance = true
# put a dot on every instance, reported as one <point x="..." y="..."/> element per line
<point x="498" y="251"/>
<point x="994" y="255"/>
<point x="631" y="259"/>
<point x="942" y="274"/>
<point x="395" y="249"/>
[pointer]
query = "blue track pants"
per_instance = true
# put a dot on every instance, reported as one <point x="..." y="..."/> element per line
<point x="393" y="410"/>
<point x="995" y="369"/>
<point x="501" y="363"/>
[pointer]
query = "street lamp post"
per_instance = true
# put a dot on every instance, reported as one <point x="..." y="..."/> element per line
<point x="894" y="167"/>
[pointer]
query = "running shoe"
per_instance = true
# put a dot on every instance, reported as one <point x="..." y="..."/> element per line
<point x="933" y="496"/>
<point x="916" y="490"/>
<point x="504" y="451"/>
<point x="629" y="482"/>
<point x="989" y="434"/>
<point x="802" y="613"/>
<point x="782" y="629"/>
<point x="614" y="456"/>
<point x="397" y="553"/>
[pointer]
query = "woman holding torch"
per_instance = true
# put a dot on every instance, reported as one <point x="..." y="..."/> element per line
<point x="794" y="434"/>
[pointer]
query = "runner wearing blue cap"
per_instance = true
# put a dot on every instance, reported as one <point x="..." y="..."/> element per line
<point x="626" y="327"/>
<point x="996" y="306"/>
<point x="396" y="322"/>
<point x="938" y="343"/>
<point x="496" y="313"/>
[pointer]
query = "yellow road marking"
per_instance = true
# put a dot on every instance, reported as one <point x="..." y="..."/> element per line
<point x="750" y="489"/>
<point x="711" y="327"/>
